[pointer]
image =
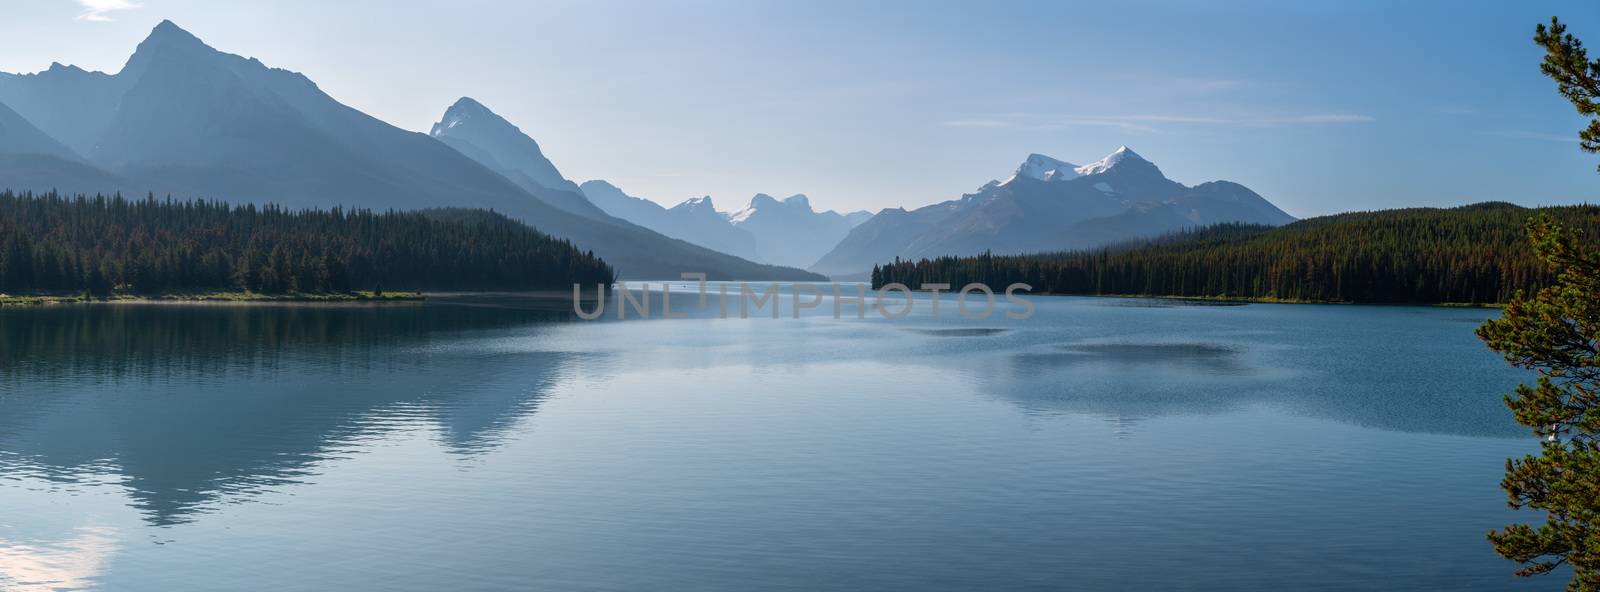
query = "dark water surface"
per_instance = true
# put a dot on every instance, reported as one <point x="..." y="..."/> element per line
<point x="492" y="444"/>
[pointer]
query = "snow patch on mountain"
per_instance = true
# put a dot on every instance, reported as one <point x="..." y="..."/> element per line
<point x="1122" y="153"/>
<point x="1049" y="205"/>
<point x="1043" y="168"/>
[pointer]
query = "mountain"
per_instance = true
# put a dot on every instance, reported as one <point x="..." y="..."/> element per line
<point x="1049" y="205"/>
<point x="695" y="220"/>
<point x="71" y="104"/>
<point x="613" y="201"/>
<point x="483" y="136"/>
<point x="1043" y="168"/>
<point x="789" y="232"/>
<point x="489" y="139"/>
<point x="31" y="160"/>
<point x="18" y="136"/>
<point x="185" y="119"/>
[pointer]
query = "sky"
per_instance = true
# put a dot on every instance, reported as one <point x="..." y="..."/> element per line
<point x="1320" y="107"/>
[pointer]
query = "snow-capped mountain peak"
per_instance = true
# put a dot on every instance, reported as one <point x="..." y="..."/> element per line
<point x="1043" y="168"/>
<point x="474" y="130"/>
<point x="761" y="200"/>
<point x="797" y="203"/>
<point x="1122" y="153"/>
<point x="790" y="231"/>
<point x="1118" y="198"/>
<point x="696" y="204"/>
<point x="462" y="111"/>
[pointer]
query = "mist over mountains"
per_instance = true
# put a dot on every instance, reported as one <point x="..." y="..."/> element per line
<point x="790" y="232"/>
<point x="784" y="232"/>
<point x="475" y="131"/>
<point x="186" y="120"/>
<point x="695" y="220"/>
<point x="31" y="158"/>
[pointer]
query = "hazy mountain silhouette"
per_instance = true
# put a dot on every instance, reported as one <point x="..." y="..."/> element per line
<point x="789" y="232"/>
<point x="1049" y="205"/>
<point x="695" y="220"/>
<point x="185" y="119"/>
<point x="18" y="136"/>
<point x="472" y="129"/>
<point x="32" y="160"/>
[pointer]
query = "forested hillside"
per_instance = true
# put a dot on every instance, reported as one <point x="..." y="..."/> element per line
<point x="1471" y="254"/>
<point x="101" y="245"/>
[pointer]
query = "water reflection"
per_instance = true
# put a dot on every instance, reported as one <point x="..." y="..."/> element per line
<point x="71" y="564"/>
<point x="973" y="332"/>
<point x="195" y="404"/>
<point x="1128" y="382"/>
<point x="493" y="445"/>
<point x="1408" y="369"/>
<point x="1205" y="357"/>
<point x="192" y="405"/>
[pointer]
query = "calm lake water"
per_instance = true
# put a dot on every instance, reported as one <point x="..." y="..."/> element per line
<point x="498" y="444"/>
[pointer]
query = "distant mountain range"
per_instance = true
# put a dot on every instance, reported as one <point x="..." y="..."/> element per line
<point x="789" y="232"/>
<point x="184" y="119"/>
<point x="1049" y="205"/>
<point x="695" y="220"/>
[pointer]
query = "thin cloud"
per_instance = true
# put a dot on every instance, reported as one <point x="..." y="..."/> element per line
<point x="1149" y="123"/>
<point x="1519" y="135"/>
<point x="1125" y="124"/>
<point x="976" y="123"/>
<point x="1321" y="118"/>
<point x="99" y="11"/>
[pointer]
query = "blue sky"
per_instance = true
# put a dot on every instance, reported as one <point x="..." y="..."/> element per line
<point x="1320" y="107"/>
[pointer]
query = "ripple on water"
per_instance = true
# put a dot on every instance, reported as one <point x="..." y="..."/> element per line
<point x="1157" y="351"/>
<point x="969" y="332"/>
<point x="1167" y="302"/>
<point x="1220" y="358"/>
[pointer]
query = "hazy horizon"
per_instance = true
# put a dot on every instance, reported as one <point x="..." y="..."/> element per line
<point x="867" y="107"/>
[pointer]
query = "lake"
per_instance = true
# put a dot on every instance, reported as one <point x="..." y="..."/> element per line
<point x="496" y="443"/>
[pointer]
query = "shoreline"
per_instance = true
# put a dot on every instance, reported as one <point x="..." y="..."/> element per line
<point x="1260" y="300"/>
<point x="409" y="296"/>
<point x="1219" y="300"/>
<point x="211" y="298"/>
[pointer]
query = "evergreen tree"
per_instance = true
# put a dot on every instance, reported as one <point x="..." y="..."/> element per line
<point x="1578" y="79"/>
<point x="1473" y="254"/>
<point x="100" y="245"/>
<point x="1556" y="332"/>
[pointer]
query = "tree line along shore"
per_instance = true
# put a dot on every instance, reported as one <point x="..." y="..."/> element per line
<point x="55" y="248"/>
<point x="1470" y="255"/>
